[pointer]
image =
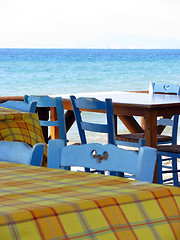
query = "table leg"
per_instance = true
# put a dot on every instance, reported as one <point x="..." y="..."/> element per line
<point x="142" y="122"/>
<point x="151" y="133"/>
<point x="54" y="130"/>
<point x="131" y="124"/>
<point x="69" y="119"/>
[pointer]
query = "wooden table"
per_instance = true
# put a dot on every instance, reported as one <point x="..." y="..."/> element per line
<point x="43" y="203"/>
<point x="129" y="104"/>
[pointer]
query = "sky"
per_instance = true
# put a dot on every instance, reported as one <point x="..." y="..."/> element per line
<point x="90" y="24"/>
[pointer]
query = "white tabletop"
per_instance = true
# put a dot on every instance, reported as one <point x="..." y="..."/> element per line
<point x="131" y="97"/>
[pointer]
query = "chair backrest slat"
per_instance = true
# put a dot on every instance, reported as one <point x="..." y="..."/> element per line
<point x="86" y="103"/>
<point x="48" y="102"/>
<point x="90" y="103"/>
<point x="164" y="88"/>
<point x="93" y="127"/>
<point x="49" y="123"/>
<point x="42" y="101"/>
<point x="20" y="105"/>
<point x="104" y="157"/>
<point x="165" y="122"/>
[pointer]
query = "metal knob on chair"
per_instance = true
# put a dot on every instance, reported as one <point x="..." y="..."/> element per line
<point x="99" y="156"/>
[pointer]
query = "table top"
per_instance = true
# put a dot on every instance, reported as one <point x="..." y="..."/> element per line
<point x="12" y="114"/>
<point x="132" y="98"/>
<point x="43" y="203"/>
<point x="20" y="126"/>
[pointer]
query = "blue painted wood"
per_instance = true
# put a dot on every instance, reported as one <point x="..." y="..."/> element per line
<point x="171" y="169"/>
<point x="20" y="105"/>
<point x="46" y="101"/>
<point x="164" y="88"/>
<point x="21" y="152"/>
<point x="37" y="154"/>
<point x="84" y="103"/>
<point x="140" y="165"/>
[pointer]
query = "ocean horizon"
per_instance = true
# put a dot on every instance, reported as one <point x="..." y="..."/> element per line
<point x="58" y="71"/>
<point x="66" y="71"/>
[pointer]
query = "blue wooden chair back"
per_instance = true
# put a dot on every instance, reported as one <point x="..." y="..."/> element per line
<point x="84" y="103"/>
<point x="46" y="101"/>
<point x="103" y="157"/>
<point x="21" y="152"/>
<point x="173" y="122"/>
<point x="20" y="105"/>
<point x="164" y="88"/>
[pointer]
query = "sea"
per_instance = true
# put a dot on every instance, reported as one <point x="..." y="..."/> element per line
<point x="71" y="71"/>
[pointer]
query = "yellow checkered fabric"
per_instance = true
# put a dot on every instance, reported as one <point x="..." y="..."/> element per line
<point x="20" y="126"/>
<point x="42" y="203"/>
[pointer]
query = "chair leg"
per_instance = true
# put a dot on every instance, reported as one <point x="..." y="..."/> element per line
<point x="175" y="173"/>
<point x="159" y="169"/>
<point x="119" y="174"/>
<point x="87" y="170"/>
<point x="142" y="142"/>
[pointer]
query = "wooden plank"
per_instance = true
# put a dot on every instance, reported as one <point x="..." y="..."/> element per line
<point x="151" y="133"/>
<point x="54" y="130"/>
<point x="160" y="128"/>
<point x="69" y="119"/>
<point x="151" y="128"/>
<point x="131" y="124"/>
<point x="142" y="123"/>
<point x="14" y="98"/>
<point x="128" y="109"/>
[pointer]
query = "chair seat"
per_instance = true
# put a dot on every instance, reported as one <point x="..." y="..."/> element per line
<point x="169" y="148"/>
<point x="135" y="137"/>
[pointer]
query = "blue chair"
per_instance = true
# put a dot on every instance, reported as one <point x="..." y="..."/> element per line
<point x="103" y="157"/>
<point x="84" y="103"/>
<point x="20" y="105"/>
<point x="47" y="102"/>
<point x="138" y="139"/>
<point x="21" y="152"/>
<point x="171" y="153"/>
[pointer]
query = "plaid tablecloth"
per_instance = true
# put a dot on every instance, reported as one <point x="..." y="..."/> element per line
<point x="41" y="203"/>
<point x="20" y="126"/>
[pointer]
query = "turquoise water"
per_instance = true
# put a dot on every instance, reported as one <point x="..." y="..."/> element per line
<point x="58" y="71"/>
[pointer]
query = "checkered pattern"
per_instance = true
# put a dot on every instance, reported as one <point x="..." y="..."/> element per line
<point x="43" y="203"/>
<point x="20" y="126"/>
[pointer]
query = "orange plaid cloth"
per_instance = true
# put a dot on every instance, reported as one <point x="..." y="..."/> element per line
<point x="42" y="203"/>
<point x="20" y="126"/>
